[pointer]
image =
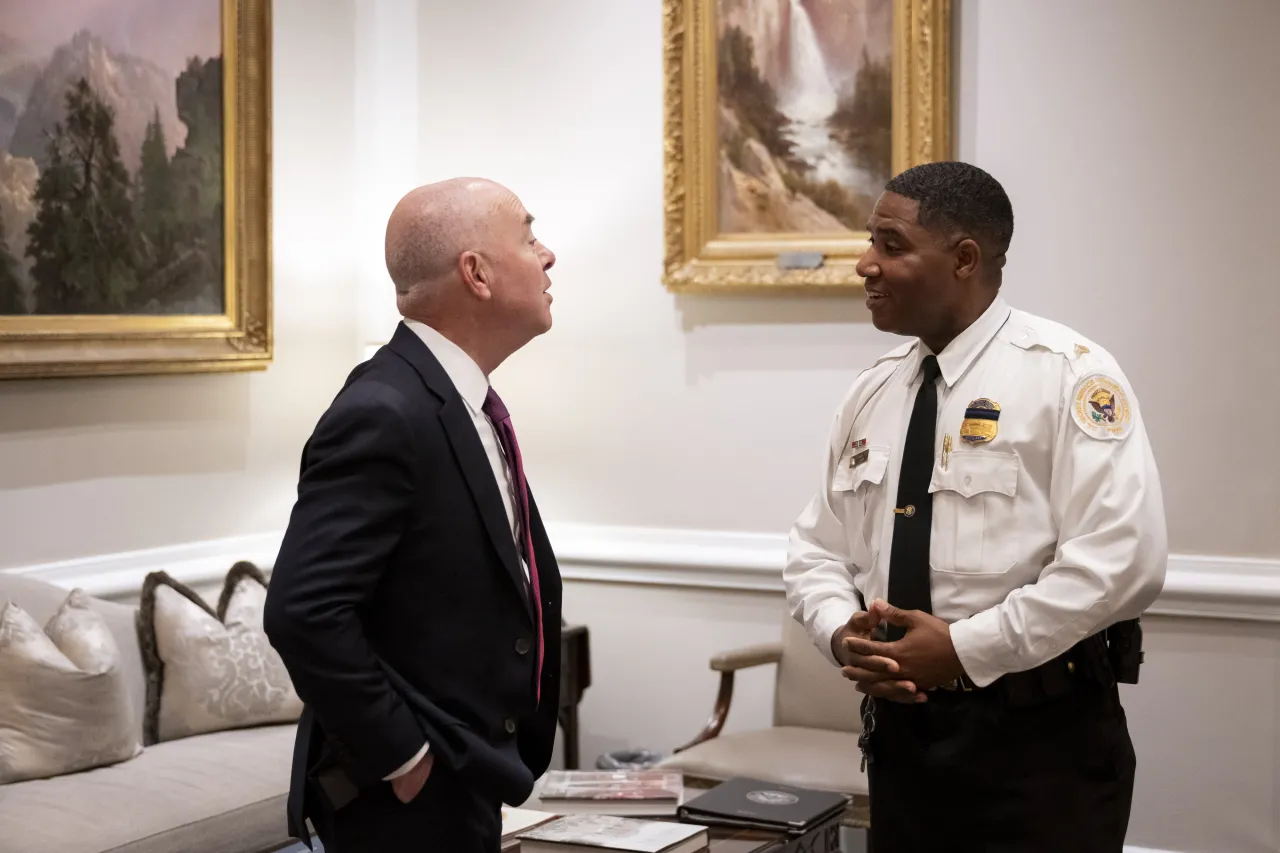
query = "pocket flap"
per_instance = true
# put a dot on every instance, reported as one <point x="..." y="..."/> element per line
<point x="871" y="470"/>
<point x="975" y="471"/>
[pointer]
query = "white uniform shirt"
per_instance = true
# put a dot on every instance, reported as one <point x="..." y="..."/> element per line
<point x="473" y="387"/>
<point x="1043" y="535"/>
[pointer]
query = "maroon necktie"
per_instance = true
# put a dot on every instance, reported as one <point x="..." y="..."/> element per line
<point x="501" y="418"/>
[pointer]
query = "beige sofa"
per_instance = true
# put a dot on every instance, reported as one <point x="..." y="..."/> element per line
<point x="215" y="793"/>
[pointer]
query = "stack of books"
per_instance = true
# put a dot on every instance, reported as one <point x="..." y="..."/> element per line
<point x="593" y="833"/>
<point x="625" y="793"/>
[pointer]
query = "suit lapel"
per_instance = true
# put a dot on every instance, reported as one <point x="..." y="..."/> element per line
<point x="461" y="431"/>
<point x="476" y="471"/>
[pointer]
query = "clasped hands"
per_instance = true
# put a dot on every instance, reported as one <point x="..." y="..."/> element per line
<point x="900" y="671"/>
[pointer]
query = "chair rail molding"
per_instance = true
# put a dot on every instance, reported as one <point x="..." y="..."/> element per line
<point x="1215" y="587"/>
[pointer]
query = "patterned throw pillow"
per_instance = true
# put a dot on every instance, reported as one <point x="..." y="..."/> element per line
<point x="64" y="699"/>
<point x="210" y="670"/>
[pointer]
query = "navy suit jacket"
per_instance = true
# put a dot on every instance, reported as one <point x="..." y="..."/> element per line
<point x="398" y="602"/>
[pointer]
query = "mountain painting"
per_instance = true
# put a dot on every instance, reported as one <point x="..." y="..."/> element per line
<point x="111" y="158"/>
<point x="804" y="113"/>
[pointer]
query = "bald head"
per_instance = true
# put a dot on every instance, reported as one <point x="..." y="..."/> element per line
<point x="434" y="224"/>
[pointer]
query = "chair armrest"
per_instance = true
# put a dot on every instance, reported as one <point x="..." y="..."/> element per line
<point x="727" y="663"/>
<point x="747" y="657"/>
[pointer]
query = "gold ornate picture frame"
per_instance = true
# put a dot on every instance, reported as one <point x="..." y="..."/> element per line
<point x="783" y="118"/>
<point x="171" y="270"/>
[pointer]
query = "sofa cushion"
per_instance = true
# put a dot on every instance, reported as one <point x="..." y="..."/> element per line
<point x="215" y="793"/>
<point x="41" y="600"/>
<point x="64" y="702"/>
<point x="789" y="755"/>
<point x="211" y="670"/>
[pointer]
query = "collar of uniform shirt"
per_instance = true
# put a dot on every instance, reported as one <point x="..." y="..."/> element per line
<point x="465" y="374"/>
<point x="960" y="353"/>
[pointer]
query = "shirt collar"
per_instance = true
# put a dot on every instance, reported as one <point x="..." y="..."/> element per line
<point x="958" y="355"/>
<point x="461" y="369"/>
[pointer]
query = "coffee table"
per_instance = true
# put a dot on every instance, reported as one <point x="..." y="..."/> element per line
<point x="823" y="838"/>
<point x="723" y="840"/>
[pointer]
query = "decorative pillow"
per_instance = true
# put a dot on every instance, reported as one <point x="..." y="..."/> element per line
<point x="208" y="671"/>
<point x="64" y="698"/>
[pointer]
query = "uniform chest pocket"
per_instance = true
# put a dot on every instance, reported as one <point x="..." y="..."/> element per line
<point x="859" y="501"/>
<point x="974" y="516"/>
<point x="855" y="478"/>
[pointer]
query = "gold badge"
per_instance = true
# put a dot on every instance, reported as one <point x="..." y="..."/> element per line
<point x="1101" y="408"/>
<point x="1081" y="349"/>
<point x="981" y="421"/>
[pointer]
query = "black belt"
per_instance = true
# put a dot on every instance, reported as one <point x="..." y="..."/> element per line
<point x="1084" y="663"/>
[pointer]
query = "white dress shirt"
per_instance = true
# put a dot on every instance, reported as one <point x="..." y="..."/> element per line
<point x="1043" y="535"/>
<point x="473" y="387"/>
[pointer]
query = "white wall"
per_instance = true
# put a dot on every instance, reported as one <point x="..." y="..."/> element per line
<point x="104" y="465"/>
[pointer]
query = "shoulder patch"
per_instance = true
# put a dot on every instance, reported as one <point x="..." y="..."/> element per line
<point x="1100" y="407"/>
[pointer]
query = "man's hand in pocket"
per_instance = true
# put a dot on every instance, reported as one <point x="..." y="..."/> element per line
<point x="409" y="785"/>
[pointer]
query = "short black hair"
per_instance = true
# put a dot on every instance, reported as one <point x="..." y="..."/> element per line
<point x="959" y="196"/>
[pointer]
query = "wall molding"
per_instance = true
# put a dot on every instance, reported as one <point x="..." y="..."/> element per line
<point x="120" y="575"/>
<point x="1220" y="587"/>
<point x="1196" y="586"/>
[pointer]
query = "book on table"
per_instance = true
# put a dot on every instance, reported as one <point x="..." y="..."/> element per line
<point x="516" y="820"/>
<point x="627" y="793"/>
<point x="594" y="833"/>
<point x="742" y="801"/>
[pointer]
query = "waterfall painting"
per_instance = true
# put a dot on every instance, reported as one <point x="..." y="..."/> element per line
<point x="784" y="120"/>
<point x="132" y="187"/>
<point x="803" y="113"/>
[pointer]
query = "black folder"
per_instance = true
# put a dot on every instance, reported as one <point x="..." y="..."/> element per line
<point x="742" y="801"/>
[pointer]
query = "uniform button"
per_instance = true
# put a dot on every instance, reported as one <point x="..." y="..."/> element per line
<point x="510" y="726"/>
<point x="1071" y="666"/>
<point x="522" y="646"/>
<point x="968" y="481"/>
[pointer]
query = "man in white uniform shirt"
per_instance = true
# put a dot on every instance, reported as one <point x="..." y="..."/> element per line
<point x="988" y="528"/>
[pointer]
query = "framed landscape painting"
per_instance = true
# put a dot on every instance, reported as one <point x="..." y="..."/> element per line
<point x="783" y="121"/>
<point x="134" y="187"/>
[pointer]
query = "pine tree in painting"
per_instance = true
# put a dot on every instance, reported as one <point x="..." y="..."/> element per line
<point x="12" y="300"/>
<point x="83" y="241"/>
<point x="155" y="196"/>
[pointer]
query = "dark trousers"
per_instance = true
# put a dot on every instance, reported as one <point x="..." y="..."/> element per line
<point x="969" y="772"/>
<point x="444" y="818"/>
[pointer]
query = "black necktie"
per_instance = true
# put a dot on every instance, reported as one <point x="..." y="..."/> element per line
<point x="913" y="515"/>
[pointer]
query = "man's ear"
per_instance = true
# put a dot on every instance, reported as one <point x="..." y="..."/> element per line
<point x="968" y="255"/>
<point x="476" y="276"/>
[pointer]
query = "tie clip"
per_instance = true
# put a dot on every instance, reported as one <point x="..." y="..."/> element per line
<point x="908" y="512"/>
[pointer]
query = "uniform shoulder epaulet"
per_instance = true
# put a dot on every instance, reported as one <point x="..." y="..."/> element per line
<point x="1029" y="332"/>
<point x="871" y="378"/>
<point x="899" y="353"/>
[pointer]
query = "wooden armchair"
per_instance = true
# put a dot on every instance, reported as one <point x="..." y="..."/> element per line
<point x="813" y="742"/>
